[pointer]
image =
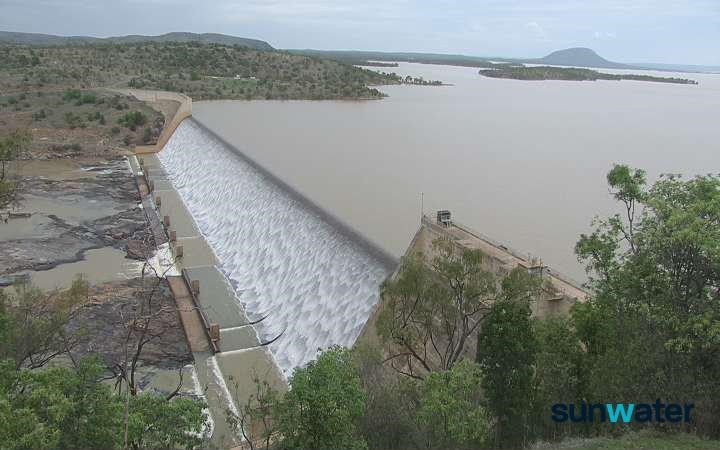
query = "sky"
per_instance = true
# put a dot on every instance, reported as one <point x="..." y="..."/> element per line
<point x="660" y="31"/>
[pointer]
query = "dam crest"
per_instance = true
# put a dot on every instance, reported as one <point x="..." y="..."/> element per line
<point x="315" y="280"/>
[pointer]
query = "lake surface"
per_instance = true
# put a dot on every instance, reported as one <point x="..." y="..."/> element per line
<point x="523" y="162"/>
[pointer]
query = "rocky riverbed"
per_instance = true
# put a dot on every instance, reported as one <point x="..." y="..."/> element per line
<point x="79" y="214"/>
<point x="58" y="220"/>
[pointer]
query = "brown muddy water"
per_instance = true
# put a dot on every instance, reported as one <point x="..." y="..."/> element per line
<point x="97" y="266"/>
<point x="521" y="161"/>
<point x="53" y="208"/>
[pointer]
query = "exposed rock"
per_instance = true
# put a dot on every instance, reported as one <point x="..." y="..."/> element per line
<point x="136" y="249"/>
<point x="108" y="315"/>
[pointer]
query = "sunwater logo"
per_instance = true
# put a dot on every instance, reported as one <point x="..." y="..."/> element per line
<point x="622" y="412"/>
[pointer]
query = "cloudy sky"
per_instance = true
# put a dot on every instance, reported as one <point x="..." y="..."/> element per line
<point x="670" y="31"/>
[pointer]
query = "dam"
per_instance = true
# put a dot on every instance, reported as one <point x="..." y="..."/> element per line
<point x="263" y="277"/>
<point x="311" y="279"/>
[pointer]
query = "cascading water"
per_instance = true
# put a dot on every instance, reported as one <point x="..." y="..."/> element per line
<point x="288" y="260"/>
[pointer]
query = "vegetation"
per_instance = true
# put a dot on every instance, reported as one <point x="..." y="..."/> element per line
<point x="430" y="311"/>
<point x="506" y="352"/>
<point x="50" y="400"/>
<point x="649" y="331"/>
<point x="12" y="147"/>
<point x="323" y="405"/>
<point x="215" y="38"/>
<point x="201" y="70"/>
<point x="420" y="81"/>
<point x="451" y="411"/>
<point x="652" y="328"/>
<point x="643" y="440"/>
<point x="522" y="72"/>
<point x="390" y="59"/>
<point x="86" y="118"/>
<point x="132" y="120"/>
<point x="72" y="409"/>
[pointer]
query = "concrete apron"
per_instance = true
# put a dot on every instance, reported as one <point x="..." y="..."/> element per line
<point x="227" y="377"/>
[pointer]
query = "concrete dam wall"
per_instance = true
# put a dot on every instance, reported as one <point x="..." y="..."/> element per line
<point x="313" y="279"/>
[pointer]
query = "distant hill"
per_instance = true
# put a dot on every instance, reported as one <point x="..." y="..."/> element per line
<point x="49" y="39"/>
<point x="578" y="57"/>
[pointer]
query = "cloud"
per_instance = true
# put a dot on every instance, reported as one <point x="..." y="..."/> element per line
<point x="637" y="30"/>
<point x="535" y="28"/>
<point x="604" y="35"/>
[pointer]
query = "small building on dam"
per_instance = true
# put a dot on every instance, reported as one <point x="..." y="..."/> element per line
<point x="262" y="276"/>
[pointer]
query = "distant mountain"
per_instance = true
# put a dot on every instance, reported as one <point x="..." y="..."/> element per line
<point x="49" y="39"/>
<point x="578" y="57"/>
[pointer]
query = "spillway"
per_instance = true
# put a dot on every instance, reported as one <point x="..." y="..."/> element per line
<point x="315" y="279"/>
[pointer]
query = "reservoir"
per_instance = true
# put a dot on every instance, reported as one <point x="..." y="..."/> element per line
<point x="523" y="162"/>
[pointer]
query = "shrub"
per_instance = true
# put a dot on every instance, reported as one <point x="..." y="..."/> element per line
<point x="451" y="410"/>
<point x="506" y="353"/>
<point x="87" y="98"/>
<point x="39" y="115"/>
<point x="72" y="94"/>
<point x="323" y="405"/>
<point x="73" y="120"/>
<point x="133" y="119"/>
<point x="389" y="421"/>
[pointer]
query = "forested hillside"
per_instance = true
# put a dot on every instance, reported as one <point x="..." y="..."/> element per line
<point x="203" y="71"/>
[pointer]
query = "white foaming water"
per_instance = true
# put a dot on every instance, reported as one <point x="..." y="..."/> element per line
<point x="317" y="285"/>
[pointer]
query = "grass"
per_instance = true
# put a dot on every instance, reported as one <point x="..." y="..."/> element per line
<point x="635" y="441"/>
<point x="74" y="122"/>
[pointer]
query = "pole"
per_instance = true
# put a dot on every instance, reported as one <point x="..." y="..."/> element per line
<point x="422" y="205"/>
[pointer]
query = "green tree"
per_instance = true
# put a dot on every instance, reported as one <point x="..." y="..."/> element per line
<point x="430" y="310"/>
<point x="653" y="324"/>
<point x="11" y="147"/>
<point x="506" y="353"/>
<point x="558" y="372"/>
<point x="254" y="419"/>
<point x="73" y="409"/>
<point x="451" y="409"/>
<point x="58" y="408"/>
<point x="323" y="406"/>
<point x="36" y="323"/>
<point x="133" y="119"/>
<point x="159" y="423"/>
<point x="390" y="408"/>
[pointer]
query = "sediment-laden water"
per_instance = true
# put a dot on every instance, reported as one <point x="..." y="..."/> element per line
<point x="316" y="281"/>
<point x="521" y="161"/>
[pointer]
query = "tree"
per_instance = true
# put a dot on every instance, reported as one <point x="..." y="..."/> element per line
<point x="58" y="408"/>
<point x="430" y="311"/>
<point x="159" y="423"/>
<point x="133" y="119"/>
<point x="36" y="323"/>
<point x="254" y="419"/>
<point x="390" y="420"/>
<point x="451" y="408"/>
<point x="558" y="372"/>
<point x="11" y="147"/>
<point x="73" y="409"/>
<point x="323" y="405"/>
<point x="506" y="353"/>
<point x="653" y="324"/>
